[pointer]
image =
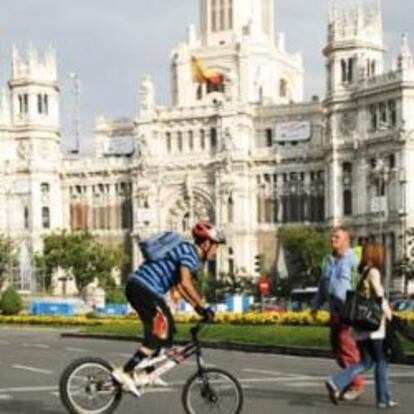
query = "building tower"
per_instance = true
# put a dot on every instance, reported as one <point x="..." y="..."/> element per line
<point x="35" y="161"/>
<point x="236" y="44"/>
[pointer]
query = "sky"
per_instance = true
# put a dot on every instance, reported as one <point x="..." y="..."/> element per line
<point x="111" y="45"/>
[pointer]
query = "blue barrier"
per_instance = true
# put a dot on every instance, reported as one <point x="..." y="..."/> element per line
<point x="52" y="308"/>
<point x="113" y="309"/>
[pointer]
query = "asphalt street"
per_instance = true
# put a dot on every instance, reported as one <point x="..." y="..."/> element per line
<point x="31" y="361"/>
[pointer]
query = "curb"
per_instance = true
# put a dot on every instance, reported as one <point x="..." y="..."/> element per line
<point x="237" y="346"/>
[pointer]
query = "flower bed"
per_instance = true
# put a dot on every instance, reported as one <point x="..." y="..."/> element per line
<point x="285" y="319"/>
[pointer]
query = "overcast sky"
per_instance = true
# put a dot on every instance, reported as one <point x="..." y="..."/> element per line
<point x="111" y="44"/>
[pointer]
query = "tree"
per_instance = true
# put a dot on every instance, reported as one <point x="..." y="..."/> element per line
<point x="8" y="259"/>
<point x="305" y="248"/>
<point x="81" y="255"/>
<point x="11" y="303"/>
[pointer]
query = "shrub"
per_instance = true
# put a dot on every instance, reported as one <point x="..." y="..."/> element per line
<point x="11" y="303"/>
<point x="116" y="297"/>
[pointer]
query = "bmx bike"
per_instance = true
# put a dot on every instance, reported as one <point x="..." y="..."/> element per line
<point x="87" y="387"/>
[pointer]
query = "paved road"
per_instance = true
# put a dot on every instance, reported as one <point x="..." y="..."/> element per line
<point x="32" y="360"/>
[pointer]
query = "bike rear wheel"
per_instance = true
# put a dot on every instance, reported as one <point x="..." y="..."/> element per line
<point x="87" y="387"/>
<point x="212" y="391"/>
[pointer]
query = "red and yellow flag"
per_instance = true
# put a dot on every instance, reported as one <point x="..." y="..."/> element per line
<point x="203" y="75"/>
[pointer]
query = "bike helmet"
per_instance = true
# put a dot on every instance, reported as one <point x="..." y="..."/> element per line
<point x="204" y="231"/>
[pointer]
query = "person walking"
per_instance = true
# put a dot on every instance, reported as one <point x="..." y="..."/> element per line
<point x="370" y="344"/>
<point x="338" y="276"/>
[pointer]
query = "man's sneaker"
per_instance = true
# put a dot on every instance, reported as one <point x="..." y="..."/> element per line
<point x="351" y="395"/>
<point x="126" y="380"/>
<point x="160" y="382"/>
<point x="333" y="393"/>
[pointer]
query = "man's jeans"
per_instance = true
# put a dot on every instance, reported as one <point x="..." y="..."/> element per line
<point x="372" y="351"/>
<point x="345" y="349"/>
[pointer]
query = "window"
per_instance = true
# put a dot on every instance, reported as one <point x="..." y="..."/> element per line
<point x="283" y="88"/>
<point x="202" y="139"/>
<point x="45" y="188"/>
<point x="26" y="103"/>
<point x="383" y="113"/>
<point x="191" y="140"/>
<point x="46" y="104"/>
<point x="168" y="137"/>
<point x="45" y="217"/>
<point x="391" y="161"/>
<point x="214" y="15"/>
<point x="269" y="137"/>
<point x="20" y="97"/>
<point x="39" y="104"/>
<point x="199" y="94"/>
<point x="26" y="218"/>
<point x="230" y="210"/>
<point x="350" y="70"/>
<point x="344" y="76"/>
<point x="222" y="15"/>
<point x="392" y="110"/>
<point x="180" y="141"/>
<point x="373" y="117"/>
<point x="230" y="16"/>
<point x="213" y="137"/>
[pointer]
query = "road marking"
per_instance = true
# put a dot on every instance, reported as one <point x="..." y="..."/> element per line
<point x="5" y="397"/>
<point x="27" y="389"/>
<point x="40" y="346"/>
<point x="72" y="349"/>
<point x="33" y="369"/>
<point x="263" y="371"/>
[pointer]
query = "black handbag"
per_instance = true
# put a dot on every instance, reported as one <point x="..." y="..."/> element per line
<point x="361" y="312"/>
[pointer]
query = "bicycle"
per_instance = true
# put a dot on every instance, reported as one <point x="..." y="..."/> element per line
<point x="87" y="387"/>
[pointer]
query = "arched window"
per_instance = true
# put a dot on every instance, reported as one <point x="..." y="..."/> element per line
<point x="26" y="218"/>
<point x="168" y="137"/>
<point x="45" y="217"/>
<point x="190" y="140"/>
<point x="202" y="139"/>
<point x="180" y="141"/>
<point x="230" y="15"/>
<point x="222" y="15"/>
<point x="39" y="104"/>
<point x="214" y="15"/>
<point x="213" y="137"/>
<point x="46" y="104"/>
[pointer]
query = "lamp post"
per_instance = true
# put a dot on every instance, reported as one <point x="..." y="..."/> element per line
<point x="381" y="172"/>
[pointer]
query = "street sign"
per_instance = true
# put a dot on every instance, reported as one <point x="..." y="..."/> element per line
<point x="264" y="286"/>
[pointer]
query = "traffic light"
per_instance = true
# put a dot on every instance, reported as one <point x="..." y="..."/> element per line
<point x="258" y="260"/>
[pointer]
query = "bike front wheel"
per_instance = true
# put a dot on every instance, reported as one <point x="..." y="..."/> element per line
<point x="86" y="387"/>
<point x="212" y="391"/>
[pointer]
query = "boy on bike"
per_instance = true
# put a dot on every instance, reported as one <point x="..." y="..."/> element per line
<point x="146" y="287"/>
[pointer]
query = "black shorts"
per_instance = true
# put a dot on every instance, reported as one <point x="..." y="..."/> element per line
<point x="159" y="328"/>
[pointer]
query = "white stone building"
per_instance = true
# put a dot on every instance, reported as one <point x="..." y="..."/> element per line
<point x="249" y="154"/>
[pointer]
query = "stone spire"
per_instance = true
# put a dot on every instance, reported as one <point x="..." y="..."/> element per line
<point x="405" y="57"/>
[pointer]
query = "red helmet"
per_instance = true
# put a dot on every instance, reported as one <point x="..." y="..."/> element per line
<point x="204" y="231"/>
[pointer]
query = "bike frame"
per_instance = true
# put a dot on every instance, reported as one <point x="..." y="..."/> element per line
<point x="176" y="356"/>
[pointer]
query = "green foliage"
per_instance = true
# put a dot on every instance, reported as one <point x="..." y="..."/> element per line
<point x="405" y="266"/>
<point x="80" y="254"/>
<point x="305" y="248"/>
<point x="11" y="303"/>
<point x="8" y="259"/>
<point x="116" y="296"/>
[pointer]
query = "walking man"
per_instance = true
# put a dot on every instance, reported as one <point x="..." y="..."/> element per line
<point x="338" y="275"/>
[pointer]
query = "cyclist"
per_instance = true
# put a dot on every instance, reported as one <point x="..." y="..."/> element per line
<point x="146" y="287"/>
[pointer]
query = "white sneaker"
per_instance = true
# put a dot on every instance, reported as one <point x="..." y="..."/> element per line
<point x="126" y="380"/>
<point x="160" y="382"/>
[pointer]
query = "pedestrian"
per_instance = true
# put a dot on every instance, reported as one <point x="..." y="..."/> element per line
<point x="339" y="273"/>
<point x="371" y="344"/>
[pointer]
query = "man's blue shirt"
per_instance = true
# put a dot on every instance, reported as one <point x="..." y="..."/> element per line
<point x="336" y="281"/>
<point x="161" y="275"/>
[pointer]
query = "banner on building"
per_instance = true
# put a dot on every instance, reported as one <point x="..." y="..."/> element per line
<point x="293" y="131"/>
<point x="119" y="146"/>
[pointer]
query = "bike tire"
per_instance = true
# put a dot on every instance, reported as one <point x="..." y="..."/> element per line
<point x="186" y="394"/>
<point x="65" y="381"/>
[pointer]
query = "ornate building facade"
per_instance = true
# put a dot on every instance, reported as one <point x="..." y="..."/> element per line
<point x="249" y="154"/>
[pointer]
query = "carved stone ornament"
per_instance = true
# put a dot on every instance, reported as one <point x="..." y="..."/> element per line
<point x="348" y="123"/>
<point x="23" y="150"/>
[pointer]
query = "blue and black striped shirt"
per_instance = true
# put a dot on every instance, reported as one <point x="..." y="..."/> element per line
<point x="160" y="276"/>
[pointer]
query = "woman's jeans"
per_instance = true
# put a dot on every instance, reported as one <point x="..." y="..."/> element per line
<point x="372" y="352"/>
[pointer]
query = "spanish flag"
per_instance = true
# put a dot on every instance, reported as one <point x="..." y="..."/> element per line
<point x="203" y="75"/>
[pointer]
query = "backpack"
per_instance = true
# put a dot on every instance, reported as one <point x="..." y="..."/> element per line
<point x="157" y="246"/>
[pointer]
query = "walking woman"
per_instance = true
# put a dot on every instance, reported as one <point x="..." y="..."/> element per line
<point x="370" y="344"/>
